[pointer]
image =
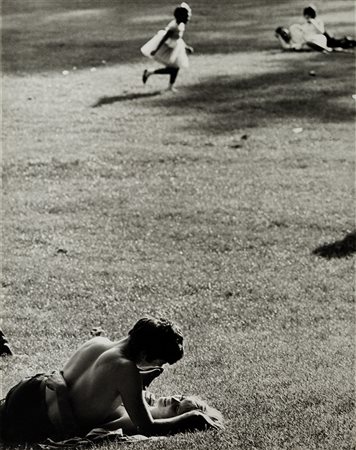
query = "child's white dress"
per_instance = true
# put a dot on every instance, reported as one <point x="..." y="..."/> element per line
<point x="173" y="52"/>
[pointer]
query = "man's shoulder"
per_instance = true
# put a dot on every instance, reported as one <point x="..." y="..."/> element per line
<point x="97" y="341"/>
<point x="118" y="361"/>
<point x="118" y="368"/>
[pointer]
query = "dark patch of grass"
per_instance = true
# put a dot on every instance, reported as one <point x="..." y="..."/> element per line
<point x="254" y="100"/>
<point x="123" y="98"/>
<point x="338" y="249"/>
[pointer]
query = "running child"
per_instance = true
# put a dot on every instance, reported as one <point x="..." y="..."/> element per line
<point x="168" y="47"/>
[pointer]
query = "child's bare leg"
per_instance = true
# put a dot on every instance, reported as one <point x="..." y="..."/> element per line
<point x="171" y="71"/>
<point x="173" y="77"/>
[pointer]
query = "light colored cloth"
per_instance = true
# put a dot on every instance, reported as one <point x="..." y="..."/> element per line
<point x="173" y="52"/>
<point x="308" y="32"/>
<point x="96" y="436"/>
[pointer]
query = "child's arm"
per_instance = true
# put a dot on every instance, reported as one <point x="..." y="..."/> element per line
<point x="163" y="40"/>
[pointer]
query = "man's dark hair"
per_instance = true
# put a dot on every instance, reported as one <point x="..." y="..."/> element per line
<point x="156" y="339"/>
<point x="309" y="11"/>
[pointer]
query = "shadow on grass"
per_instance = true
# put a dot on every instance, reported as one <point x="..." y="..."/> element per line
<point x="51" y="36"/>
<point x="125" y="97"/>
<point x="338" y="249"/>
<point x="225" y="103"/>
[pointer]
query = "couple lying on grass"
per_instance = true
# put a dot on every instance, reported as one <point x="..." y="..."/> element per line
<point x="311" y="35"/>
<point x="102" y="385"/>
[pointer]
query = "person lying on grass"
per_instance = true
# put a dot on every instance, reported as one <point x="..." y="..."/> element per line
<point x="168" y="407"/>
<point x="311" y="35"/>
<point x="99" y="379"/>
<point x="306" y="36"/>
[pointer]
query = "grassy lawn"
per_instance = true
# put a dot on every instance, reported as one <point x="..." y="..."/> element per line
<point x="204" y="207"/>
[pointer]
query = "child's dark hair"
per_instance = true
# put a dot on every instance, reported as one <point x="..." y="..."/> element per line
<point x="180" y="14"/>
<point x="156" y="339"/>
<point x="309" y="11"/>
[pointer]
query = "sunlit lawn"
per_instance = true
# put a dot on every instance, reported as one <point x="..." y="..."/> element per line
<point x="204" y="207"/>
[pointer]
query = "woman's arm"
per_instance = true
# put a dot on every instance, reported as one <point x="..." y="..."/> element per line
<point x="130" y="389"/>
<point x="318" y="25"/>
<point x="66" y="420"/>
<point x="189" y="421"/>
<point x="124" y="422"/>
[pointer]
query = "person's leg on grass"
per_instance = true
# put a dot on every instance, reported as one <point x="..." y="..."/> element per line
<point x="173" y="77"/>
<point x="148" y="73"/>
<point x="171" y="71"/>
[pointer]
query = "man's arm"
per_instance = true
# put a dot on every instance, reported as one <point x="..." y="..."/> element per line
<point x="147" y="376"/>
<point x="130" y="388"/>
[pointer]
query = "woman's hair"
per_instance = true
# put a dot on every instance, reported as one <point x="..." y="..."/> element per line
<point x="156" y="339"/>
<point x="191" y="403"/>
<point x="309" y="11"/>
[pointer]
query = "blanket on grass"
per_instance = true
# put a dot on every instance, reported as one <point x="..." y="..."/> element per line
<point x="95" y="436"/>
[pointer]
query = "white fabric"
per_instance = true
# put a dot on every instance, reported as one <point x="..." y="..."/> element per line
<point x="95" y="436"/>
<point x="311" y="31"/>
<point x="173" y="52"/>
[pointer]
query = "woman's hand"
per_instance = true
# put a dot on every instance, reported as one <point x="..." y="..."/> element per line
<point x="189" y="49"/>
<point x="201" y="422"/>
<point x="56" y="382"/>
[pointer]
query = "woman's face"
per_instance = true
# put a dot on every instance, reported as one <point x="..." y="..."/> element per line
<point x="165" y="407"/>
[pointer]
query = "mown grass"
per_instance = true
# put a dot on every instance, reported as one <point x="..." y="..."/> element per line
<point x="205" y="207"/>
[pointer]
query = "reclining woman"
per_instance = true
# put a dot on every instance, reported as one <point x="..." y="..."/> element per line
<point x="99" y="384"/>
<point x="169" y="407"/>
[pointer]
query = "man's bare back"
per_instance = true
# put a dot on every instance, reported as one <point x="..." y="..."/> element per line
<point x="103" y="375"/>
<point x="89" y="374"/>
<point x="100" y="380"/>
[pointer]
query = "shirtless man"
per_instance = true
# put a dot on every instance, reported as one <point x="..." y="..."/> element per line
<point x="96" y="381"/>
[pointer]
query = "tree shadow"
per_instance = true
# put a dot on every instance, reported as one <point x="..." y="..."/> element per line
<point x="228" y="102"/>
<point x="338" y="249"/>
<point x="125" y="97"/>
